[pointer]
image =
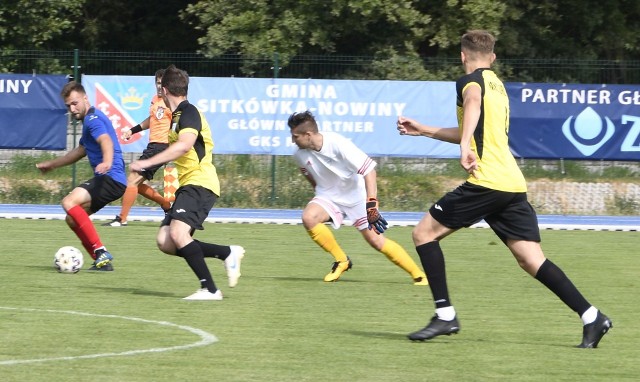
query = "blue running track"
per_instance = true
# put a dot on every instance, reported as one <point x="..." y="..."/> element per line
<point x="276" y="216"/>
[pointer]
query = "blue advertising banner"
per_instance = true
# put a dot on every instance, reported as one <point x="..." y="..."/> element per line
<point x="32" y="114"/>
<point x="249" y="115"/>
<point x="575" y="121"/>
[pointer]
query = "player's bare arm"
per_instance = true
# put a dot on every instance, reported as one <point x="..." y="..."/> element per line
<point x="408" y="126"/>
<point x="106" y="146"/>
<point x="371" y="185"/>
<point x="71" y="157"/>
<point x="376" y="222"/>
<point x="177" y="149"/>
<point x="471" y="101"/>
<point x="127" y="133"/>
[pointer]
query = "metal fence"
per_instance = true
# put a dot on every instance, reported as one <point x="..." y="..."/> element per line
<point x="310" y="66"/>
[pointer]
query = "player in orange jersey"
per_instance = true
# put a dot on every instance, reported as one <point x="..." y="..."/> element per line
<point x="158" y="123"/>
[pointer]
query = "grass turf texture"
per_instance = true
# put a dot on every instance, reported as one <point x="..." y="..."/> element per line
<point x="283" y="323"/>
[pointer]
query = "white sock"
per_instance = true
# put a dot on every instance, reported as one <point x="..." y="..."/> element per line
<point x="589" y="316"/>
<point x="447" y="313"/>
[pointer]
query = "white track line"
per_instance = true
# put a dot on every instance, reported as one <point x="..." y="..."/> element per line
<point x="205" y="338"/>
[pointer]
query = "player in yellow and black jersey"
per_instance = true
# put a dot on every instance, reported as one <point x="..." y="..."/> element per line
<point x="494" y="191"/>
<point x="497" y="169"/>
<point x="191" y="149"/>
<point x="195" y="167"/>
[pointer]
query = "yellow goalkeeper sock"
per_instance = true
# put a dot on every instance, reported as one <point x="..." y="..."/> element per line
<point x="401" y="258"/>
<point x="323" y="236"/>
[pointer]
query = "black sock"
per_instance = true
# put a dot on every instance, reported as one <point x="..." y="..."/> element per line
<point x="214" y="250"/>
<point x="192" y="253"/>
<point x="554" y="278"/>
<point x="432" y="260"/>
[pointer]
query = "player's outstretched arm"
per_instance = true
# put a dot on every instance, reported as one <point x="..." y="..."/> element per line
<point x="71" y="157"/>
<point x="409" y="126"/>
<point x="177" y="149"/>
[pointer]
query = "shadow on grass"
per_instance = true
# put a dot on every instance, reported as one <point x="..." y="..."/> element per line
<point x="384" y="335"/>
<point x="400" y="337"/>
<point x="289" y="278"/>
<point x="320" y="281"/>
<point x="140" y="292"/>
<point x="449" y="340"/>
<point x="47" y="268"/>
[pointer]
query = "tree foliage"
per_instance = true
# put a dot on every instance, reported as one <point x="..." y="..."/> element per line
<point x="582" y="29"/>
<point x="398" y="36"/>
<point x="118" y="25"/>
<point x="36" y="24"/>
<point x="356" y="27"/>
<point x="397" y="33"/>
<point x="259" y="28"/>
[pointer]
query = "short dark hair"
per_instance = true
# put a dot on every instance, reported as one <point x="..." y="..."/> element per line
<point x="159" y="73"/>
<point x="176" y="81"/>
<point x="297" y="119"/>
<point x="72" y="86"/>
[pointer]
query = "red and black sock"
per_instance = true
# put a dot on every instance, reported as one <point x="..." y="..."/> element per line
<point x="84" y="229"/>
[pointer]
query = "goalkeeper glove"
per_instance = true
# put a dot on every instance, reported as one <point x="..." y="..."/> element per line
<point x="376" y="221"/>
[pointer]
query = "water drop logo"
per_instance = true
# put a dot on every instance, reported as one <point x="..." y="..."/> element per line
<point x="588" y="131"/>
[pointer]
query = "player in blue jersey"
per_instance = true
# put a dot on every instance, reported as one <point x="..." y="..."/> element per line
<point x="100" y="144"/>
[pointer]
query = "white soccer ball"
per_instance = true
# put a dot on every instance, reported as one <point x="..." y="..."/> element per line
<point x="68" y="259"/>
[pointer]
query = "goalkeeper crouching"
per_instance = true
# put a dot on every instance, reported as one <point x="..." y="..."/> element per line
<point x="344" y="181"/>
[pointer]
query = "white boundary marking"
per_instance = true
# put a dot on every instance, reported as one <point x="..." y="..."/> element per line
<point x="205" y="338"/>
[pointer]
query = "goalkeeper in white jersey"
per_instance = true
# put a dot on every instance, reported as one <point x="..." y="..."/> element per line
<point x="344" y="180"/>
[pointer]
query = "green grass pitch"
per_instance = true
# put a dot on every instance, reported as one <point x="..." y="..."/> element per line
<point x="283" y="323"/>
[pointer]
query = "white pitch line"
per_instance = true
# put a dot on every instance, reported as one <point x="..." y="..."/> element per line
<point x="205" y="338"/>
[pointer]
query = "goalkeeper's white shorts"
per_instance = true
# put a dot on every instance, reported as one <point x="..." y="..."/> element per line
<point x="356" y="213"/>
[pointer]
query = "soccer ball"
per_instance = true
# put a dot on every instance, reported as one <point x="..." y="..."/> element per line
<point x="68" y="259"/>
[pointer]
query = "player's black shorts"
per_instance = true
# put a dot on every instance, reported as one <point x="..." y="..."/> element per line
<point x="192" y="206"/>
<point x="103" y="190"/>
<point x="509" y="214"/>
<point x="152" y="149"/>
